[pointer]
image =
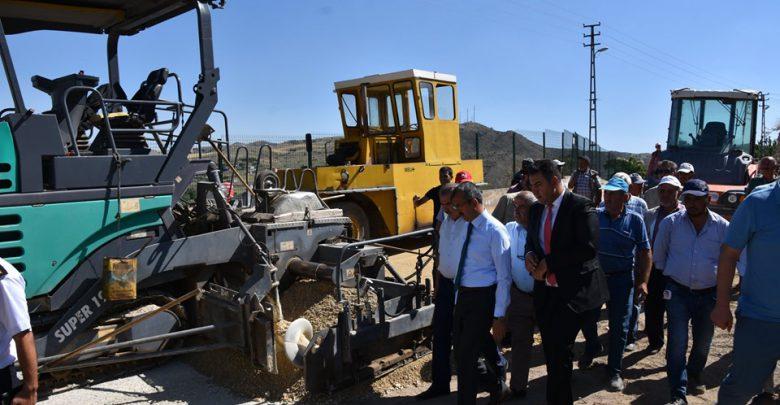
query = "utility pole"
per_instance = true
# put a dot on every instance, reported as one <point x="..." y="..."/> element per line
<point x="593" y="137"/>
<point x="763" y="97"/>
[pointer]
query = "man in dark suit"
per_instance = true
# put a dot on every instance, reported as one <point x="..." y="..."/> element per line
<point x="562" y="255"/>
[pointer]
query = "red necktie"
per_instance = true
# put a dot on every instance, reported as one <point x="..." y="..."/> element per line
<point x="548" y="230"/>
<point x="550" y="279"/>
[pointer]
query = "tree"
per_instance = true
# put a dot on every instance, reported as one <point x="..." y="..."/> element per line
<point x="630" y="165"/>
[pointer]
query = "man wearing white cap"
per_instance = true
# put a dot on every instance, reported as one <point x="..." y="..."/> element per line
<point x="665" y="168"/>
<point x="685" y="172"/>
<point x="668" y="192"/>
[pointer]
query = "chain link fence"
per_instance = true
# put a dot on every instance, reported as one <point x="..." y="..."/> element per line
<point x="502" y="152"/>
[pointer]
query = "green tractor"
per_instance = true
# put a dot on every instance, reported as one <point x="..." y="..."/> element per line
<point x="120" y="267"/>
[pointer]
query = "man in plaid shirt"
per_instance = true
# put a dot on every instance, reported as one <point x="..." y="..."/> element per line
<point x="585" y="181"/>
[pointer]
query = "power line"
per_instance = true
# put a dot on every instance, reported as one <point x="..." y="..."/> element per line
<point x="713" y="77"/>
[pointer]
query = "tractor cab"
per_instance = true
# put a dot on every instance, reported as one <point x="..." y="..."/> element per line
<point x="105" y="157"/>
<point x="101" y="132"/>
<point x="715" y="131"/>
<point x="401" y="117"/>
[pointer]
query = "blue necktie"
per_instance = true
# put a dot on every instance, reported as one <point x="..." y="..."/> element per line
<point x="462" y="262"/>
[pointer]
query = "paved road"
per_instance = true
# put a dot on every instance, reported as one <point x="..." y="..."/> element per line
<point x="174" y="382"/>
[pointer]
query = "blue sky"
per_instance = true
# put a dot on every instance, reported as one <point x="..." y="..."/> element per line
<point x="519" y="62"/>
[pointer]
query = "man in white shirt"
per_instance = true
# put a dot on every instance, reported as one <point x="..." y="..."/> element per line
<point x="520" y="313"/>
<point x="16" y="340"/>
<point x="482" y="285"/>
<point x="452" y="232"/>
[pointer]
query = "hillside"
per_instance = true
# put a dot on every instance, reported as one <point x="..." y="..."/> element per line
<point x="495" y="149"/>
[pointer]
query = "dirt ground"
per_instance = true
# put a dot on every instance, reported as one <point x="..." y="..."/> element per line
<point x="645" y="378"/>
<point x="645" y="374"/>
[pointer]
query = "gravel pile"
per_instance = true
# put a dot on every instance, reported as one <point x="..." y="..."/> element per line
<point x="313" y="300"/>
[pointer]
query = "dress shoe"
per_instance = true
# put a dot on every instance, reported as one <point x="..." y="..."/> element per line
<point x="500" y="394"/>
<point x="586" y="360"/>
<point x="695" y="385"/>
<point x="519" y="394"/>
<point x="431" y="393"/>
<point x="654" y="349"/>
<point x="616" y="383"/>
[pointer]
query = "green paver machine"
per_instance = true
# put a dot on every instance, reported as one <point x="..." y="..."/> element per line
<point x="121" y="267"/>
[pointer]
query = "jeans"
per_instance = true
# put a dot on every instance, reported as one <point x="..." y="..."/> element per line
<point x="633" y="323"/>
<point x="683" y="306"/>
<point x="619" y="306"/>
<point x="756" y="351"/>
<point x="9" y="384"/>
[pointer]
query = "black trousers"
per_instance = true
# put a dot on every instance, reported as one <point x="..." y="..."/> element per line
<point x="442" y="334"/>
<point x="655" y="308"/>
<point x="9" y="384"/>
<point x="559" y="327"/>
<point x="473" y="320"/>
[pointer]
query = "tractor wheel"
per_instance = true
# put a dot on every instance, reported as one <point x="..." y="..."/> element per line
<point x="360" y="227"/>
<point x="266" y="179"/>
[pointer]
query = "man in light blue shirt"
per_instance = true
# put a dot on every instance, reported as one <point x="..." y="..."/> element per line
<point x="452" y="233"/>
<point x="520" y="313"/>
<point x="482" y="285"/>
<point x="755" y="229"/>
<point x="686" y="249"/>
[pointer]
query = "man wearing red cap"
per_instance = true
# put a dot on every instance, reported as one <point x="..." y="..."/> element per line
<point x="463" y="176"/>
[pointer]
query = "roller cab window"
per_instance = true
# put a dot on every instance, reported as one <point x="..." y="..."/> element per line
<point x="381" y="118"/>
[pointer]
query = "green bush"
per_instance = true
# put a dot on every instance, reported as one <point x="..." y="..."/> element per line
<point x="630" y="165"/>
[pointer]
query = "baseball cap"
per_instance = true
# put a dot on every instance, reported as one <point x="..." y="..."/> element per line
<point x="696" y="187"/>
<point x="670" y="180"/>
<point x="685" y="168"/>
<point x="623" y="176"/>
<point x="558" y="162"/>
<point x="636" y="178"/>
<point x="616" y="184"/>
<point x="463" y="176"/>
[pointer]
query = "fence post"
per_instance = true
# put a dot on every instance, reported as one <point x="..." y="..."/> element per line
<point x="514" y="153"/>
<point x="476" y="143"/>
<point x="544" y="145"/>
<point x="563" y="133"/>
<point x="573" y="149"/>
<point x="308" y="150"/>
